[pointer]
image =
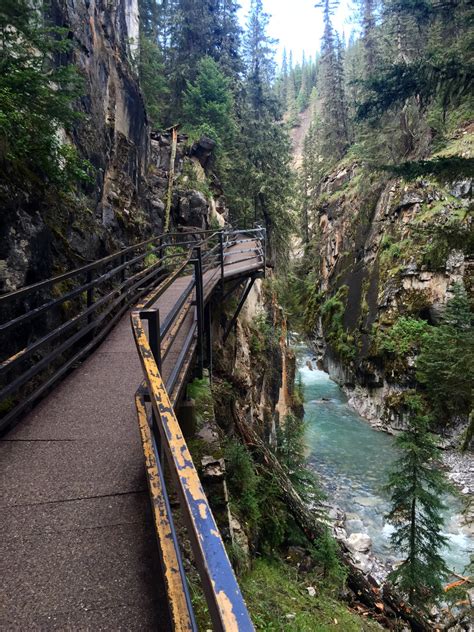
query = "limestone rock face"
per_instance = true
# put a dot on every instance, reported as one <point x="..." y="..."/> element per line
<point x="390" y="245"/>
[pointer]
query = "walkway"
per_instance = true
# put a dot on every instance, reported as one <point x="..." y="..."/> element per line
<point x="78" y="548"/>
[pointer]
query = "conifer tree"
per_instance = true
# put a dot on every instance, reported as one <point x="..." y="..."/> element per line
<point x="369" y="35"/>
<point x="208" y="105"/>
<point x="446" y="362"/>
<point x="266" y="179"/>
<point x="283" y="79"/>
<point x="416" y="485"/>
<point x="151" y="67"/>
<point x="334" y="140"/>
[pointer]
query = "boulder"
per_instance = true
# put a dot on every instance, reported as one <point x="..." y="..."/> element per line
<point x="359" y="543"/>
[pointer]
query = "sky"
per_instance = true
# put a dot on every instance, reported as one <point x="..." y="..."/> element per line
<point x="298" y="25"/>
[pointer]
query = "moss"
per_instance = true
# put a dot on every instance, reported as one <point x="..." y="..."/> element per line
<point x="189" y="179"/>
<point x="200" y="391"/>
<point x="332" y="316"/>
<point x="278" y="599"/>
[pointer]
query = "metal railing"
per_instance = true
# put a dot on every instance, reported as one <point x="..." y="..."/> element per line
<point x="73" y="312"/>
<point x="235" y="254"/>
<point x="48" y="327"/>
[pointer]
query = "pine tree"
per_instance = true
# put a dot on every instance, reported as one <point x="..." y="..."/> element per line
<point x="416" y="485"/>
<point x="208" y="105"/>
<point x="446" y="362"/>
<point x="335" y="139"/>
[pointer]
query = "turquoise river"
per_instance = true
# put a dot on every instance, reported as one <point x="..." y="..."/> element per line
<point x="352" y="461"/>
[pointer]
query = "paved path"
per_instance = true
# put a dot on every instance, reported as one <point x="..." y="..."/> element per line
<point x="78" y="548"/>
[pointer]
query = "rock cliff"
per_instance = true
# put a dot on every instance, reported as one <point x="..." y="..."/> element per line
<point x="388" y="248"/>
<point x="125" y="200"/>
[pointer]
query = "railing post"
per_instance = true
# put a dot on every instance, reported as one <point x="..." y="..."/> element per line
<point x="154" y="337"/>
<point x="208" y="328"/>
<point x="90" y="295"/>
<point x="199" y="311"/>
<point x="122" y="273"/>
<point x="221" y="243"/>
<point x="161" y="251"/>
<point x="264" y="241"/>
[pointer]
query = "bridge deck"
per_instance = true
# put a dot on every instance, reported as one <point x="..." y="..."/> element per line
<point x="78" y="547"/>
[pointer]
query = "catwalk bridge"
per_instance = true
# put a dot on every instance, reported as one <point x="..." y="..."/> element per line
<point x="78" y="529"/>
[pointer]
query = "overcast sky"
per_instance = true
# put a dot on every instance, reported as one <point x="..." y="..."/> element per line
<point x="298" y="25"/>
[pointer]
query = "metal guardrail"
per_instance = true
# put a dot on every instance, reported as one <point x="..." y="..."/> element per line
<point x="48" y="327"/>
<point x="73" y="312"/>
<point x="163" y="440"/>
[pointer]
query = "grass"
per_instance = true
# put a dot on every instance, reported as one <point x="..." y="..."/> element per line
<point x="278" y="599"/>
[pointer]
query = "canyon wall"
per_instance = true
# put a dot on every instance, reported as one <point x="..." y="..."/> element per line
<point x="388" y="248"/>
<point x="124" y="202"/>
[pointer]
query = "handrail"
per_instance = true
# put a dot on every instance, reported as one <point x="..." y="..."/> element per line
<point x="102" y="299"/>
<point x="224" y="599"/>
<point x="76" y="307"/>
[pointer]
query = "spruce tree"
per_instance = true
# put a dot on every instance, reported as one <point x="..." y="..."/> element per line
<point x="208" y="105"/>
<point x="416" y="485"/>
<point x="334" y="138"/>
<point x="446" y="362"/>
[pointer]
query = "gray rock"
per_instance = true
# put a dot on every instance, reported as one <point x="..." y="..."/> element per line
<point x="354" y="526"/>
<point x="359" y="542"/>
<point x="462" y="188"/>
<point x="409" y="199"/>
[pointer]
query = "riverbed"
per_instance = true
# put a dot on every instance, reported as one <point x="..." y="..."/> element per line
<point x="352" y="461"/>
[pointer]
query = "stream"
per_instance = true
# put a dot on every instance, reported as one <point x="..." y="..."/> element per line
<point x="352" y="461"/>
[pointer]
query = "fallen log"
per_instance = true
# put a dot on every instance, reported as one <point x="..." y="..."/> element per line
<point x="365" y="588"/>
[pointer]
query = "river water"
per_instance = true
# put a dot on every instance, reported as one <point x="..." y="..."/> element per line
<point x="352" y="461"/>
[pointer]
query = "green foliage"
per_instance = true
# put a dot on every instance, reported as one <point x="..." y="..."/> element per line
<point x="262" y="335"/>
<point x="443" y="168"/>
<point x="325" y="553"/>
<point x="151" y="257"/>
<point x="152" y="79"/>
<point x="36" y="92"/>
<point x="440" y="240"/>
<point x="445" y="366"/>
<point x="200" y="391"/>
<point x="273" y="590"/>
<point x="403" y="338"/>
<point x="332" y="316"/>
<point x="208" y="104"/>
<point x="243" y="483"/>
<point x="290" y="450"/>
<point x="237" y="557"/>
<point x="416" y="485"/>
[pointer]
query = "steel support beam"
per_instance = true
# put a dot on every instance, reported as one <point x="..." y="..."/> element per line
<point x="243" y="298"/>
